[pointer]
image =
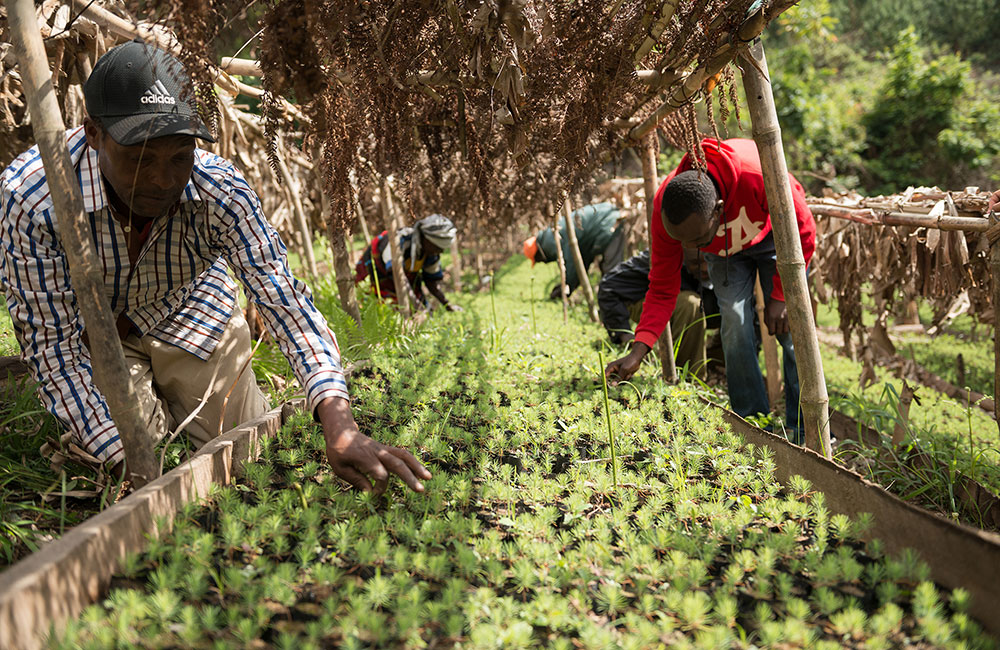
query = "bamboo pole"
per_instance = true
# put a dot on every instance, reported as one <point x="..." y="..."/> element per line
<point x="477" y="248"/>
<point x="562" y="264"/>
<point x="993" y="236"/>
<point x="242" y="67"/>
<point x="300" y="214"/>
<point x="773" y="370"/>
<point x="665" y="344"/>
<point x="667" y="11"/>
<point x="360" y="210"/>
<point x="581" y="270"/>
<point x="111" y="374"/>
<point x="791" y="266"/>
<point x="871" y="217"/>
<point x="389" y="214"/>
<point x="692" y="84"/>
<point x="342" y="271"/>
<point x="342" y="257"/>
<point x="903" y="422"/>
<point x="456" y="265"/>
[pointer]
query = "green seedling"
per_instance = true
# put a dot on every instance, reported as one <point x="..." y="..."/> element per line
<point x="607" y="417"/>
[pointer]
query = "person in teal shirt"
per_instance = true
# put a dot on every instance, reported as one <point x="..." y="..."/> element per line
<point x="599" y="233"/>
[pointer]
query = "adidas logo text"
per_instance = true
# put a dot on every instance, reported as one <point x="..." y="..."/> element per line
<point x="157" y="94"/>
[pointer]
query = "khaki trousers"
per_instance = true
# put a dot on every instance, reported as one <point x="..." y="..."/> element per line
<point x="687" y="325"/>
<point x="171" y="382"/>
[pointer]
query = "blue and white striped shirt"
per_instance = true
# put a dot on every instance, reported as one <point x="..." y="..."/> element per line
<point x="178" y="292"/>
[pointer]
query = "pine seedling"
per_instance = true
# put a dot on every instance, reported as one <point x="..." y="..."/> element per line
<point x="925" y="601"/>
<point x="534" y="325"/>
<point x="772" y="633"/>
<point x="210" y="618"/>
<point x="607" y="417"/>
<point x="132" y="564"/>
<point x="849" y="623"/>
<point x="827" y="601"/>
<point x="888" y="592"/>
<point x="960" y="600"/>
<point x="611" y="599"/>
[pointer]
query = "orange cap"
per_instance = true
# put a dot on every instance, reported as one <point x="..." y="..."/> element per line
<point x="530" y="248"/>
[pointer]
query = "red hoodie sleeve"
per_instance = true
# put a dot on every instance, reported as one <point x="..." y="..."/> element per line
<point x="667" y="255"/>
<point x="807" y="233"/>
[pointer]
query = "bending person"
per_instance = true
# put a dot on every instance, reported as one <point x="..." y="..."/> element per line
<point x="620" y="297"/>
<point x="724" y="214"/>
<point x="598" y="232"/>
<point x="170" y="221"/>
<point x="421" y="247"/>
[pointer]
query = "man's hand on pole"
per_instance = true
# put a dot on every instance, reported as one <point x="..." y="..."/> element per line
<point x="361" y="461"/>
<point x="776" y="317"/>
<point x="993" y="202"/>
<point x="623" y="369"/>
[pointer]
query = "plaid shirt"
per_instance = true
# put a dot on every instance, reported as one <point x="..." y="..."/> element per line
<point x="179" y="290"/>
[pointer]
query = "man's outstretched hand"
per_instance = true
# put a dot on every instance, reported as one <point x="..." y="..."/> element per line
<point x="623" y="369"/>
<point x="776" y="317"/>
<point x="364" y="463"/>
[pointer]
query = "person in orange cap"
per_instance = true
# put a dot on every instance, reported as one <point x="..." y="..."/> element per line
<point x="599" y="233"/>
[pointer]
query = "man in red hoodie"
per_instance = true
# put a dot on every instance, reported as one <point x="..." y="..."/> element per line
<point x="724" y="214"/>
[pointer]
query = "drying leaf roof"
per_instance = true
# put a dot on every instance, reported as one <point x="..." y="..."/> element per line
<point x="495" y="107"/>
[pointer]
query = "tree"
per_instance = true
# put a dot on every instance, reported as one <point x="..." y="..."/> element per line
<point x="915" y="103"/>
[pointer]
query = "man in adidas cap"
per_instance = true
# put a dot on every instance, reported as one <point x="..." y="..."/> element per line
<point x="170" y="221"/>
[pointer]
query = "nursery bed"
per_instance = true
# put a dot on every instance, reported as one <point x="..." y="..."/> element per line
<point x="70" y="573"/>
<point x="704" y="535"/>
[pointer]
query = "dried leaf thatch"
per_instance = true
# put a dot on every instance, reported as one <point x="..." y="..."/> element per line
<point x="937" y="252"/>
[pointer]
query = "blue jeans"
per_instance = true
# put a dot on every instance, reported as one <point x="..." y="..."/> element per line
<point x="733" y="277"/>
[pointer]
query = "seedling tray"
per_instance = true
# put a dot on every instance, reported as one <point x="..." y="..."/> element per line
<point x="65" y="576"/>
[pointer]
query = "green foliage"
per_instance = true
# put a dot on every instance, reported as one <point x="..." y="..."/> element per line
<point x="878" y="95"/>
<point x="967" y="26"/>
<point x="915" y="103"/>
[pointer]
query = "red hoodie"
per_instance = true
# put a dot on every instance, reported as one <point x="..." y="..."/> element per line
<point x="735" y="167"/>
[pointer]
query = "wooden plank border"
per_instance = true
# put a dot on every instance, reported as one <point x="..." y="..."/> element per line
<point x="958" y="555"/>
<point x="42" y="591"/>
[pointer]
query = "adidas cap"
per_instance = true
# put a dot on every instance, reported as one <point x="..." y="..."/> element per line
<point x="135" y="91"/>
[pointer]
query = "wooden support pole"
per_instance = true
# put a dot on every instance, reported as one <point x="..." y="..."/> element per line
<point x="305" y="229"/>
<point x="342" y="271"/>
<point x="665" y="345"/>
<point x="813" y="399"/>
<point x="993" y="236"/>
<point x="477" y="248"/>
<point x="389" y="215"/>
<point x="771" y="366"/>
<point x="902" y="426"/>
<point x="684" y="92"/>
<point x="356" y="190"/>
<point x="581" y="270"/>
<point x="667" y="10"/>
<point x="111" y="374"/>
<point x="872" y="217"/>
<point x="554" y="216"/>
<point x="340" y="240"/>
<point x="456" y="265"/>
